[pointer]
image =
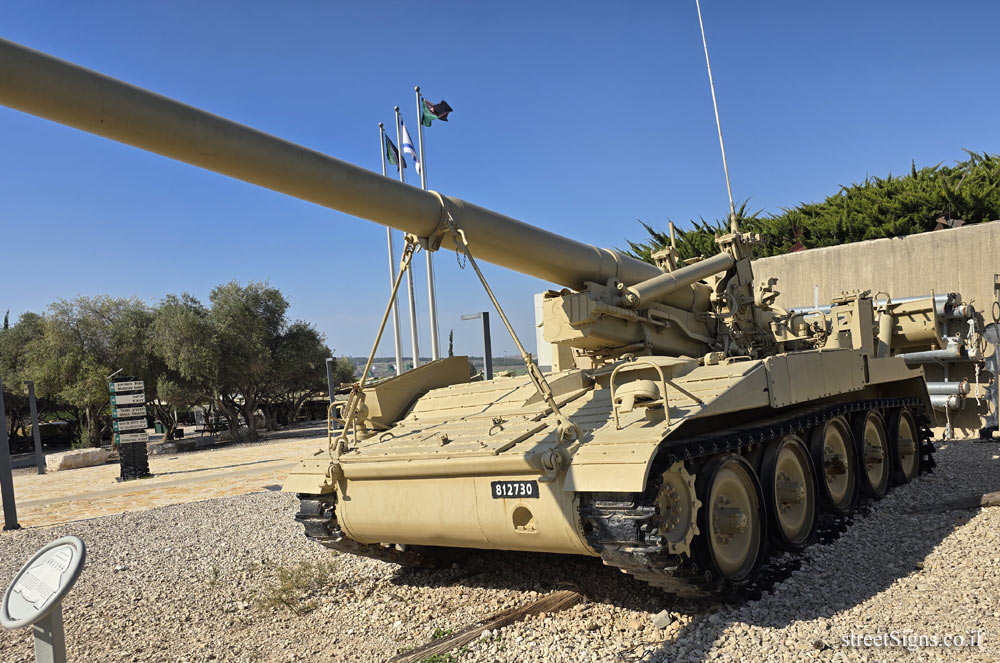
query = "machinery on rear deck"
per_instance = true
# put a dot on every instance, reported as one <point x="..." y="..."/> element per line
<point x="690" y="424"/>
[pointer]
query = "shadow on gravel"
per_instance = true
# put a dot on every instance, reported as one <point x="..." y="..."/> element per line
<point x="851" y="561"/>
<point x="540" y="572"/>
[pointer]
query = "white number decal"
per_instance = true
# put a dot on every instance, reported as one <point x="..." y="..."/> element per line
<point x="515" y="489"/>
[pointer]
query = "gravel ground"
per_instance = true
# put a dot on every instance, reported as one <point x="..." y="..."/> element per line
<point x="235" y="580"/>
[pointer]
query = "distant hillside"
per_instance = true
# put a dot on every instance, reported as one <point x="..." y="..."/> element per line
<point x="878" y="207"/>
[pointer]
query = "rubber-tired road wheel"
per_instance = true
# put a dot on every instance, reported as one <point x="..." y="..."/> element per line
<point x="789" y="485"/>
<point x="904" y="444"/>
<point x="832" y="449"/>
<point x="872" y="447"/>
<point x="732" y="520"/>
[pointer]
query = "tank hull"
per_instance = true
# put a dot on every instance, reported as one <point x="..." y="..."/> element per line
<point x="431" y="479"/>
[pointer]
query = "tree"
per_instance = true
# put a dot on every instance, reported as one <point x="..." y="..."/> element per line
<point x="15" y="344"/>
<point x="298" y="371"/>
<point x="875" y="208"/>
<point x="247" y="323"/>
<point x="183" y="339"/>
<point x="240" y="355"/>
<point x="343" y="371"/>
<point x="83" y="342"/>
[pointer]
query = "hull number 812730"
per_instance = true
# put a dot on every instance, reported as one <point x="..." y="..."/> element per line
<point x="514" y="489"/>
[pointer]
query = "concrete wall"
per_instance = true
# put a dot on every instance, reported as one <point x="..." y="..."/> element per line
<point x="961" y="260"/>
<point x="955" y="260"/>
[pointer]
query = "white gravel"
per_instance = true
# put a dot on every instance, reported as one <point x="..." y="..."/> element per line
<point x="196" y="582"/>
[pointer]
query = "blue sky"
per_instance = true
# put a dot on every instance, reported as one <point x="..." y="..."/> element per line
<point x="580" y="117"/>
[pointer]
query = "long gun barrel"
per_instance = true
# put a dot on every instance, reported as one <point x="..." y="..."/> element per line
<point x="45" y="86"/>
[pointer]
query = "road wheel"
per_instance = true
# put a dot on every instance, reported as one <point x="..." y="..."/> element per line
<point x="872" y="447"/>
<point x="832" y="450"/>
<point x="904" y="443"/>
<point x="789" y="487"/>
<point x="732" y="520"/>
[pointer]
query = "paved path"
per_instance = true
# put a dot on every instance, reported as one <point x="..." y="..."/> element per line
<point x="90" y="492"/>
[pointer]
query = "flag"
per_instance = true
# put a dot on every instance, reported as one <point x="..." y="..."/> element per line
<point x="431" y="112"/>
<point x="409" y="149"/>
<point x="391" y="153"/>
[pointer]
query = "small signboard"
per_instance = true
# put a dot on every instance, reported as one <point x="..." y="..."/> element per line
<point x="42" y="583"/>
<point x="128" y="420"/>
<point x="128" y="399"/>
<point x="128" y="424"/>
<point x="34" y="597"/>
<point x="130" y="385"/>
<point x="129" y="438"/>
<point x="124" y="412"/>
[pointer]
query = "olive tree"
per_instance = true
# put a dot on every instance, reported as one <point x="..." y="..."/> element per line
<point x="84" y="341"/>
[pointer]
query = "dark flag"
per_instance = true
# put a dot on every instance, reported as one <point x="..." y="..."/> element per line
<point x="431" y="112"/>
<point x="391" y="153"/>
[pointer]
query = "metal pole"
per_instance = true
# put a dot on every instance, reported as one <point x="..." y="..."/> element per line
<point x="329" y="376"/>
<point x="50" y="638"/>
<point x="487" y="348"/>
<point x="392" y="268"/>
<point x="35" y="432"/>
<point x="432" y="305"/>
<point x="431" y="294"/>
<point x="6" y="478"/>
<point x="414" y="341"/>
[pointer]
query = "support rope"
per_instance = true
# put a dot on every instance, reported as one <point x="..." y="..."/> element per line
<point x="567" y="430"/>
<point x="356" y="401"/>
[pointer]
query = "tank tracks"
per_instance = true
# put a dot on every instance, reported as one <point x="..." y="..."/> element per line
<point x="621" y="527"/>
<point x="318" y="515"/>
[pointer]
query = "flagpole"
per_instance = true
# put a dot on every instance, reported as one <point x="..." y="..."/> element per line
<point x="431" y="294"/>
<point x="414" y="343"/>
<point x="392" y="266"/>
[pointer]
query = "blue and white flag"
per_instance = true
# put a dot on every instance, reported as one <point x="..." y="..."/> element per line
<point x="409" y="149"/>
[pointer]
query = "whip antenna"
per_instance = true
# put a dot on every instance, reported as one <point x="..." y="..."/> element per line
<point x="722" y="146"/>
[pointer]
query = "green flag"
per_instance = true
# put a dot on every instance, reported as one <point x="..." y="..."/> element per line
<point x="391" y="153"/>
<point x="431" y="112"/>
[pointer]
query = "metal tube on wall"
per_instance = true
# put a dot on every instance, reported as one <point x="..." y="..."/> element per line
<point x="953" y="352"/>
<point x="945" y="402"/>
<point x="962" y="388"/>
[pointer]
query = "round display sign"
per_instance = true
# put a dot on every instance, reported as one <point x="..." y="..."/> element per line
<point x="42" y="582"/>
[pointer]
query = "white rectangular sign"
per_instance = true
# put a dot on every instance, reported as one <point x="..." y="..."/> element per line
<point x="134" y="385"/>
<point x="131" y="437"/>
<point x="128" y="399"/>
<point x="123" y="412"/>
<point x="130" y="424"/>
